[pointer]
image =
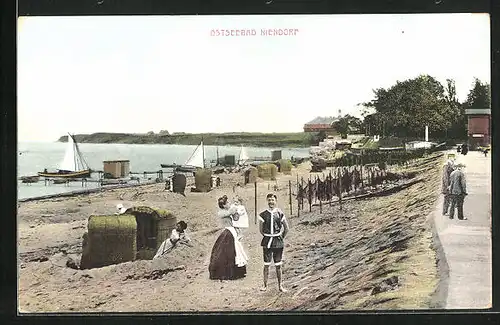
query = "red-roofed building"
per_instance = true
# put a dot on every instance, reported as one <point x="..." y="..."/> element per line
<point x="321" y="124"/>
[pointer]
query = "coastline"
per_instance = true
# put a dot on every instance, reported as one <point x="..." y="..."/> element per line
<point x="277" y="140"/>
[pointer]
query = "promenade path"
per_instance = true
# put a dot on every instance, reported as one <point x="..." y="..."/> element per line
<point x="467" y="244"/>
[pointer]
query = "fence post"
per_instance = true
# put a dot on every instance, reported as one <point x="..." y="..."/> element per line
<point x="340" y="188"/>
<point x="328" y="186"/>
<point x="255" y="202"/>
<point x="302" y="198"/>
<point x="361" y="172"/>
<point x="316" y="189"/>
<point x="309" y="191"/>
<point x="290" y="196"/>
<point x="298" y="205"/>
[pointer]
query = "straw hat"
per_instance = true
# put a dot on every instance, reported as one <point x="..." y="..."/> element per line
<point x="121" y="209"/>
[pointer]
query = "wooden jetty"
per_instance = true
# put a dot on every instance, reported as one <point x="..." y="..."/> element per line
<point x="100" y="179"/>
<point x="85" y="191"/>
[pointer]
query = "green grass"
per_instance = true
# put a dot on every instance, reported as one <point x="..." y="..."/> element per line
<point x="112" y="222"/>
<point x="164" y="214"/>
<point x="370" y="144"/>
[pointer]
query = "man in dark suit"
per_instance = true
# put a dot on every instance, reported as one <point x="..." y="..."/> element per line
<point x="447" y="170"/>
<point x="458" y="191"/>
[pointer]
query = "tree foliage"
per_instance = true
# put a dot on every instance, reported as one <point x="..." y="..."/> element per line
<point x="405" y="109"/>
<point x="164" y="132"/>
<point x="479" y="96"/>
<point x="348" y="124"/>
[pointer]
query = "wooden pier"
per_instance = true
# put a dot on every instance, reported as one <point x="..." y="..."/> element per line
<point x="85" y="191"/>
<point x="101" y="179"/>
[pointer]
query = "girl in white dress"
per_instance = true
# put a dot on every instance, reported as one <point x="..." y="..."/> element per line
<point x="178" y="235"/>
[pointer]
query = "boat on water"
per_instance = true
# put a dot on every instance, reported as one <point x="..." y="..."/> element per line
<point x="30" y="179"/>
<point x="73" y="164"/>
<point x="196" y="161"/>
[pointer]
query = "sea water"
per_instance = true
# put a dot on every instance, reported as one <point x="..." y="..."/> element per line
<point x="34" y="157"/>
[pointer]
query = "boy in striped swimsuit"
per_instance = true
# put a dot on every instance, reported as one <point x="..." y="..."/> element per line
<point x="274" y="227"/>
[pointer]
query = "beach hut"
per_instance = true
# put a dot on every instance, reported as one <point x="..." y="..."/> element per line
<point x="267" y="171"/>
<point x="111" y="239"/>
<point x="251" y="175"/>
<point x="153" y="227"/>
<point x="202" y="180"/>
<point x="285" y="166"/>
<point x="275" y="155"/>
<point x="179" y="183"/>
<point x="117" y="168"/>
<point x="135" y="234"/>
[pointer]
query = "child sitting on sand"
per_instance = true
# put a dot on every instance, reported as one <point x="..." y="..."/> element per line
<point x="178" y="235"/>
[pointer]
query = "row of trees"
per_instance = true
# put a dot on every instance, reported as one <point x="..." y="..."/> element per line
<point x="405" y="108"/>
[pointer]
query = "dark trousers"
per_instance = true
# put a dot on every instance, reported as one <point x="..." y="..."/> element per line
<point x="457" y="201"/>
<point x="446" y="203"/>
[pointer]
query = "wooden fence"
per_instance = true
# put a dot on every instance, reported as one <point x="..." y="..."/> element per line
<point x="351" y="181"/>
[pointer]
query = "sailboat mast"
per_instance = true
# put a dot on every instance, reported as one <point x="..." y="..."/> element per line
<point x="79" y="156"/>
<point x="74" y="155"/>
<point x="203" y="151"/>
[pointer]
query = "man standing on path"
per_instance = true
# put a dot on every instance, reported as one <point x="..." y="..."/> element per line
<point x="458" y="191"/>
<point x="274" y="227"/>
<point x="447" y="170"/>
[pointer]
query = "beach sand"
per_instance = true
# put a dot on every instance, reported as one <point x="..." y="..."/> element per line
<point x="373" y="254"/>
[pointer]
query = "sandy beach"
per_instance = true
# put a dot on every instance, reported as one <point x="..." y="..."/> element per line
<point x="373" y="254"/>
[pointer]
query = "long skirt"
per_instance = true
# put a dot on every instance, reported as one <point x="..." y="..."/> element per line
<point x="222" y="261"/>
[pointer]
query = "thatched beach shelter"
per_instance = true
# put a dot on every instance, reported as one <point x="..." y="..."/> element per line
<point x="153" y="227"/>
<point x="110" y="240"/>
<point x="203" y="180"/>
<point x="179" y="183"/>
<point x="285" y="166"/>
<point x="136" y="234"/>
<point x="251" y="175"/>
<point x="267" y="171"/>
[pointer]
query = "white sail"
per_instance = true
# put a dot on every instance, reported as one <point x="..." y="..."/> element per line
<point x="197" y="158"/>
<point x="243" y="156"/>
<point x="72" y="161"/>
<point x="69" y="163"/>
<point x="81" y="164"/>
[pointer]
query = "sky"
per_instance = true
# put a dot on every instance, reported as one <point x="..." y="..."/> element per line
<point x="136" y="74"/>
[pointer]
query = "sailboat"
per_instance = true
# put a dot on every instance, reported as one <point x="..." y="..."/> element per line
<point x="197" y="160"/>
<point x="73" y="164"/>
<point x="243" y="158"/>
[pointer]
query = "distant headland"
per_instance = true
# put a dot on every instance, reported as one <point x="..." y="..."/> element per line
<point x="298" y="139"/>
